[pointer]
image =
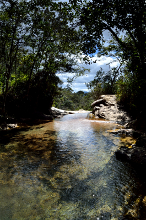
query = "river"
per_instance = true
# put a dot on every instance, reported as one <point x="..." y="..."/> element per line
<point x="67" y="170"/>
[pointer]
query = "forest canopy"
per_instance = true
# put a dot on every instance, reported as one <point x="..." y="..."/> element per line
<point x="40" y="38"/>
<point x="37" y="41"/>
<point x="119" y="17"/>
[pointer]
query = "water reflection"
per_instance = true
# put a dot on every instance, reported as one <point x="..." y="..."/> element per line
<point x="67" y="169"/>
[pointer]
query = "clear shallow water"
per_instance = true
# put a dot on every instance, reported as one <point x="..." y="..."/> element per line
<point x="66" y="169"/>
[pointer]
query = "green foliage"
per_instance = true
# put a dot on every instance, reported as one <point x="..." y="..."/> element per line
<point x="69" y="100"/>
<point x="114" y="16"/>
<point x="124" y="16"/>
<point x="104" y="83"/>
<point x="36" y="38"/>
<point x="131" y="94"/>
<point x="43" y="89"/>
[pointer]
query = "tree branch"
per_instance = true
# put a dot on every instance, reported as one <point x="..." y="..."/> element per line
<point x="114" y="34"/>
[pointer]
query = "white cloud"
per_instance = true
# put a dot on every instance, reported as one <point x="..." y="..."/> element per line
<point x="102" y="62"/>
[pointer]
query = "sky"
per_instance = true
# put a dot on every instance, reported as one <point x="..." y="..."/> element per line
<point x="106" y="63"/>
<point x="103" y="62"/>
<point x="80" y="83"/>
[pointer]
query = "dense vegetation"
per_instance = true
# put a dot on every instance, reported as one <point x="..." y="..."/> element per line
<point x="104" y="83"/>
<point x="69" y="100"/>
<point x="120" y="17"/>
<point x="37" y="41"/>
<point x="40" y="38"/>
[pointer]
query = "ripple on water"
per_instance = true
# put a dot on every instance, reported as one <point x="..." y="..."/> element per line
<point x="66" y="169"/>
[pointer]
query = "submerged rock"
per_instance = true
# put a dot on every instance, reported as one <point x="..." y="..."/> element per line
<point x="124" y="153"/>
<point x="135" y="155"/>
<point x="126" y="132"/>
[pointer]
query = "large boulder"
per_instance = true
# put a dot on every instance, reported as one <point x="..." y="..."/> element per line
<point x="98" y="102"/>
<point x="107" y="108"/>
<point x="58" y="112"/>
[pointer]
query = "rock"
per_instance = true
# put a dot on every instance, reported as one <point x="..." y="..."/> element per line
<point x="98" y="102"/>
<point x="135" y="155"/>
<point x="7" y="126"/>
<point x="122" y="117"/>
<point x="131" y="124"/>
<point x="58" y="112"/>
<point x="4" y="126"/>
<point x="123" y="154"/>
<point x="11" y="125"/>
<point x="101" y="115"/>
<point x="110" y="103"/>
<point x="90" y="115"/>
<point x="126" y="132"/>
<point x="96" y="108"/>
<point x="96" y="114"/>
<point x="70" y="112"/>
<point x="109" y="109"/>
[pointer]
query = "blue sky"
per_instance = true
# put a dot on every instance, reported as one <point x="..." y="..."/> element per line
<point x="103" y="62"/>
<point x="79" y="84"/>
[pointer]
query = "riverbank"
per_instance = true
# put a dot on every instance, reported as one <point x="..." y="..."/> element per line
<point x="107" y="108"/>
<point x="36" y="118"/>
<point x="57" y="113"/>
<point x="66" y="164"/>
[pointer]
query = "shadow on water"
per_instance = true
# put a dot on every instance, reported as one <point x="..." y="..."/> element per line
<point x="6" y="136"/>
<point x="46" y="173"/>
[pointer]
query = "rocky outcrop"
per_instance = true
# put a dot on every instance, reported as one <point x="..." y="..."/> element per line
<point x="123" y="131"/>
<point x="107" y="108"/>
<point x="5" y="126"/>
<point x="10" y="123"/>
<point x="98" y="102"/>
<point x="135" y="154"/>
<point x="58" y="113"/>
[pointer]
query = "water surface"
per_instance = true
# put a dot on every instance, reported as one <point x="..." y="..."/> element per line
<point x="66" y="169"/>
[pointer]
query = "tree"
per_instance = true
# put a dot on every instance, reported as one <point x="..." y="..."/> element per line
<point x="70" y="100"/>
<point x="35" y="36"/>
<point x="122" y="16"/>
<point x="104" y="82"/>
<point x="12" y="15"/>
<point x="116" y="16"/>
